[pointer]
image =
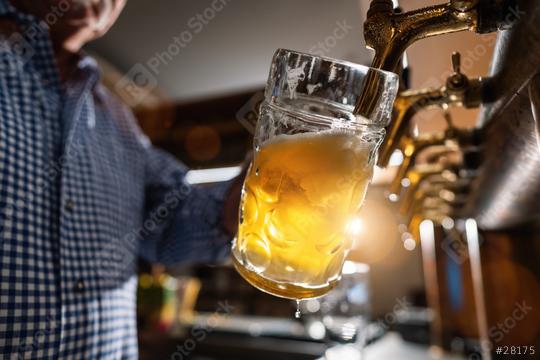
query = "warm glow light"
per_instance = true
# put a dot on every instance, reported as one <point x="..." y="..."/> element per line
<point x="313" y="305"/>
<point x="351" y="267"/>
<point x="409" y="244"/>
<point x="406" y="235"/>
<point x="405" y="182"/>
<point x="447" y="195"/>
<point x="396" y="159"/>
<point x="448" y="223"/>
<point x="393" y="197"/>
<point x="449" y="175"/>
<point x="355" y="226"/>
<point x="402" y="228"/>
<point x="316" y="330"/>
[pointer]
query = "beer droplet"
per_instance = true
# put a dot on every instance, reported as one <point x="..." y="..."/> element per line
<point x="257" y="172"/>
<point x="298" y="313"/>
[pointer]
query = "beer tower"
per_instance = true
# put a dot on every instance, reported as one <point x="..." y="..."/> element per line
<point x="455" y="189"/>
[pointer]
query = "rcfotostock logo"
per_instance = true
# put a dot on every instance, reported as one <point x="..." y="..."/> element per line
<point x="18" y="47"/>
<point x="141" y="79"/>
<point x="249" y="113"/>
<point x="322" y="48"/>
<point x="31" y="345"/>
<point x="456" y="247"/>
<point x="200" y="332"/>
<point x="118" y="258"/>
<point x="498" y="331"/>
<point x="136" y="84"/>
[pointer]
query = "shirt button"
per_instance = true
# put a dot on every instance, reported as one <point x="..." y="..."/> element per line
<point x="79" y="286"/>
<point x="69" y="205"/>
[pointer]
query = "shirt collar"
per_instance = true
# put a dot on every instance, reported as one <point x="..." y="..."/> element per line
<point x="88" y="63"/>
<point x="89" y="66"/>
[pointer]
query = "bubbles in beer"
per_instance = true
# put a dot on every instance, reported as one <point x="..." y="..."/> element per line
<point x="296" y="207"/>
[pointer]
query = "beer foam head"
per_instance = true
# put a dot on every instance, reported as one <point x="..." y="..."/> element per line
<point x="346" y="136"/>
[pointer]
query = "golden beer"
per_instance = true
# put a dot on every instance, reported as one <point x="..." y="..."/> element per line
<point x="300" y="197"/>
<point x="314" y="157"/>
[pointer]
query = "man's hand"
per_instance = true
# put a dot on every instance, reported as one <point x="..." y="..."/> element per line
<point x="232" y="201"/>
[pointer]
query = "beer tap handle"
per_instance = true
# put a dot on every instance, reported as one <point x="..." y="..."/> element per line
<point x="460" y="89"/>
<point x="456" y="62"/>
<point x="458" y="81"/>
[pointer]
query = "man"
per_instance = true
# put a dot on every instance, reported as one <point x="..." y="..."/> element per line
<point x="82" y="192"/>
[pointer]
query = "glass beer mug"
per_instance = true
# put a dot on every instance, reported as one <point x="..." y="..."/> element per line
<point x="312" y="164"/>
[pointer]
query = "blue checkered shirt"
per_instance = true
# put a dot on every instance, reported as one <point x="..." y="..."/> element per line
<point x="82" y="195"/>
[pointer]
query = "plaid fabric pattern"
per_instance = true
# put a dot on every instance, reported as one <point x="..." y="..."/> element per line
<point x="82" y="195"/>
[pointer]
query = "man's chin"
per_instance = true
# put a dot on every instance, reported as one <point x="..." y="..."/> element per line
<point x="82" y="23"/>
<point x="75" y="34"/>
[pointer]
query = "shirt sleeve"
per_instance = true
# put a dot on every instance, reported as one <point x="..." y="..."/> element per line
<point x="183" y="224"/>
<point x="186" y="220"/>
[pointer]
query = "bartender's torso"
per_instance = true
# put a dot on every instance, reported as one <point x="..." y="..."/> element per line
<point x="71" y="193"/>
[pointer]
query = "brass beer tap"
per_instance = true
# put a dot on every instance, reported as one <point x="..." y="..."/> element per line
<point x="389" y="33"/>
<point x="444" y="194"/>
<point x="448" y="193"/>
<point x="451" y="140"/>
<point x="411" y="147"/>
<point x="459" y="90"/>
<point x="416" y="177"/>
<point x="436" y="211"/>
